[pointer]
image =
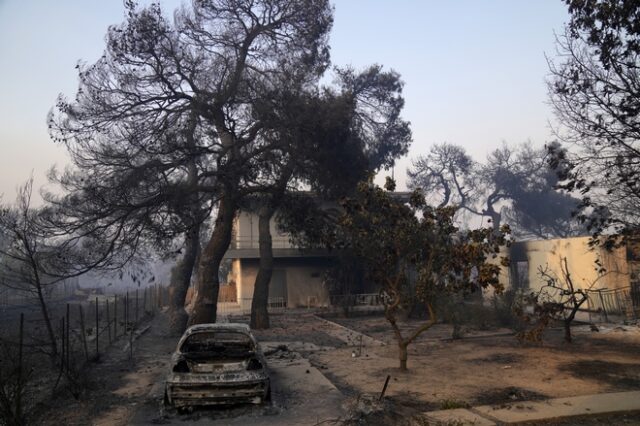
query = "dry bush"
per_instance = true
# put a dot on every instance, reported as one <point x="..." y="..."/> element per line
<point x="15" y="374"/>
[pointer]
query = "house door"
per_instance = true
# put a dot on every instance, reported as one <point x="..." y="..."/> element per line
<point x="278" y="286"/>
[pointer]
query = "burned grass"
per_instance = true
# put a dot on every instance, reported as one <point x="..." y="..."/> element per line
<point x="619" y="376"/>
<point x="506" y="395"/>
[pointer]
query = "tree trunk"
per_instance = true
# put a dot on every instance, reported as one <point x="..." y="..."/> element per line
<point x="403" y="355"/>
<point x="567" y="330"/>
<point x="47" y="320"/>
<point x="259" y="312"/>
<point x="496" y="218"/>
<point x="208" y="283"/>
<point x="180" y="281"/>
<point x="183" y="271"/>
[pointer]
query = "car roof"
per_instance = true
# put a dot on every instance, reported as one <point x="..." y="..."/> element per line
<point x="224" y="326"/>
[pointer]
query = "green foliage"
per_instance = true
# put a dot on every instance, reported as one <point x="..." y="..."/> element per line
<point x="396" y="239"/>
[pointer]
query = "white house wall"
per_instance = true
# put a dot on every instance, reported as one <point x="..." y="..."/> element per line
<point x="581" y="261"/>
<point x="304" y="280"/>
<point x="246" y="232"/>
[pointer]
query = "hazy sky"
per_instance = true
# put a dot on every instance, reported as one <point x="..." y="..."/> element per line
<point x="474" y="70"/>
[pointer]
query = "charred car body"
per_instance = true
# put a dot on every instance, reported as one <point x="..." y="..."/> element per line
<point x="217" y="364"/>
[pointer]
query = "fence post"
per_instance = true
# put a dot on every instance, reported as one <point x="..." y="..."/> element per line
<point x="144" y="301"/>
<point x="126" y="312"/>
<point x="62" y="354"/>
<point x="133" y="326"/>
<point x="115" y="316"/>
<point x="97" y="332"/>
<point x="604" y="309"/>
<point x="68" y="339"/>
<point x="84" y="333"/>
<point x="19" y="393"/>
<point x="108" y="321"/>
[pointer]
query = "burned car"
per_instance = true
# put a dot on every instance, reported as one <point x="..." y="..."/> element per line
<point x="217" y="364"/>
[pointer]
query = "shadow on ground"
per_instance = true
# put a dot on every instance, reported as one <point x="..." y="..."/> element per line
<point x="506" y="395"/>
<point x="620" y="376"/>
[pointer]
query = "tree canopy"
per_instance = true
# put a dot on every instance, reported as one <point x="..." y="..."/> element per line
<point x="594" y="88"/>
<point x="182" y="115"/>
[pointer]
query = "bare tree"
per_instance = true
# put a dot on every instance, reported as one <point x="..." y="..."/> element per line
<point x="513" y="185"/>
<point x="594" y="88"/>
<point x="31" y="263"/>
<point x="445" y="175"/>
<point x="558" y="300"/>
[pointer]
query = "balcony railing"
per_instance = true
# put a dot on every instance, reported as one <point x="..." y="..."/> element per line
<point x="621" y="301"/>
<point x="243" y="306"/>
<point x="253" y="243"/>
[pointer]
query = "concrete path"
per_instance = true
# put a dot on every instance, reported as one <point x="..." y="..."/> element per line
<point x="349" y="336"/>
<point x="530" y="411"/>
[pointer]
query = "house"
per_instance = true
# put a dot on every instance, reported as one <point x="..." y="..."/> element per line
<point x="297" y="278"/>
<point x="583" y="262"/>
<point x="610" y="277"/>
<point x="298" y="273"/>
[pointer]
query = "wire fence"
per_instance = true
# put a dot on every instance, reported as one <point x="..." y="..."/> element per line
<point x="82" y="329"/>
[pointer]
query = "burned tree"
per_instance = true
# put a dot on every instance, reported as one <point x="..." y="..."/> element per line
<point x="211" y="66"/>
<point x="445" y="175"/>
<point x="31" y="261"/>
<point x="558" y="300"/>
<point x="414" y="252"/>
<point x="513" y="185"/>
<point x="329" y="141"/>
<point x="594" y="88"/>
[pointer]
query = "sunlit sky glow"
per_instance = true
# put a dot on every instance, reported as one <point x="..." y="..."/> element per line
<point x="474" y="71"/>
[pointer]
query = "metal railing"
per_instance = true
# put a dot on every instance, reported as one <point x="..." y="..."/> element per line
<point x="620" y="301"/>
<point x="363" y="299"/>
<point x="243" y="306"/>
<point x="253" y="243"/>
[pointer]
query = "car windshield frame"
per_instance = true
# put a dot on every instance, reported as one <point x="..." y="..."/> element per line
<point x="218" y="344"/>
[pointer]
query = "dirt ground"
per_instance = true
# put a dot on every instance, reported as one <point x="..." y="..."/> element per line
<point x="485" y="367"/>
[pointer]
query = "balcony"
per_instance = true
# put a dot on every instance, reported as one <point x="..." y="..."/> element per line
<point x="249" y="248"/>
<point x="243" y="243"/>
